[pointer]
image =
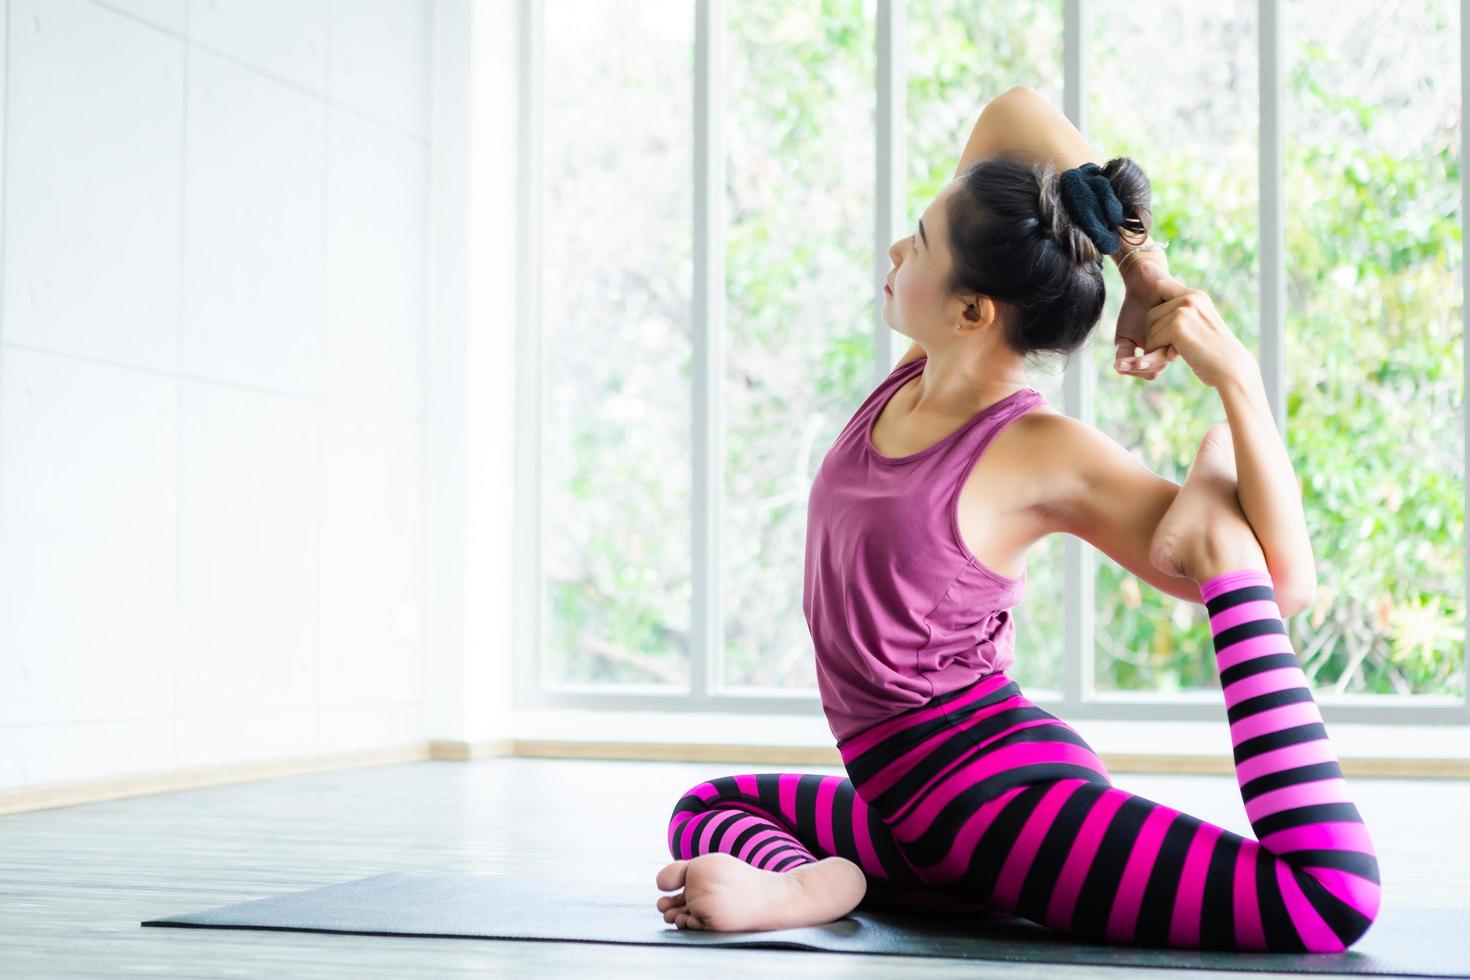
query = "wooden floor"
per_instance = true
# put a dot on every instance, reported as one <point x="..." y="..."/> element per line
<point x="76" y="881"/>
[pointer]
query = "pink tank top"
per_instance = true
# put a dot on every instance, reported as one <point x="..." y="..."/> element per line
<point x="899" y="609"/>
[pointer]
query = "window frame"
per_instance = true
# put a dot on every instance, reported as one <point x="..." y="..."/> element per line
<point x="1078" y="697"/>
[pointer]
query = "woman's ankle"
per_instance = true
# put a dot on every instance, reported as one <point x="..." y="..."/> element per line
<point x="1212" y="588"/>
<point x="833" y="881"/>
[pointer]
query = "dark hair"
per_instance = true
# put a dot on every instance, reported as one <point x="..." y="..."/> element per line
<point x="1013" y="240"/>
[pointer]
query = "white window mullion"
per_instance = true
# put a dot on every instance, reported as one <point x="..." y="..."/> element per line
<point x="530" y="479"/>
<point x="1271" y="58"/>
<point x="707" y="317"/>
<point x="1077" y="386"/>
<point x="1465" y="315"/>
<point x="889" y="193"/>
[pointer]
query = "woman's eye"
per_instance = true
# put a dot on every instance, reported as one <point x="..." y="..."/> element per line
<point x="914" y="240"/>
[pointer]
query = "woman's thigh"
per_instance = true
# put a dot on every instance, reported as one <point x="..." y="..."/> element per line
<point x="782" y="819"/>
<point x="960" y="750"/>
<point x="995" y="800"/>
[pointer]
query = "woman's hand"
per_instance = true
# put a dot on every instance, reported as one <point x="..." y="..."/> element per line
<point x="1186" y="320"/>
<point x="1141" y="293"/>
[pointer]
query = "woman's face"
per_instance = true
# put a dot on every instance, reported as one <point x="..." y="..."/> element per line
<point x="914" y="303"/>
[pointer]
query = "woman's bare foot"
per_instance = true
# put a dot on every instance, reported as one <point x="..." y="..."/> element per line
<point x="1204" y="533"/>
<point x="724" y="894"/>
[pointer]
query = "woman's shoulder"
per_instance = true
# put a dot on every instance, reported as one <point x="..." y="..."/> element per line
<point x="1048" y="449"/>
<point x="1053" y="438"/>
<point x="1062" y="456"/>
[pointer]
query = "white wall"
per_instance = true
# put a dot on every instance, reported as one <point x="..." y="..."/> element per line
<point x="212" y="328"/>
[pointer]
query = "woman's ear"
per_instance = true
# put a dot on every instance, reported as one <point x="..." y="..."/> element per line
<point x="979" y="308"/>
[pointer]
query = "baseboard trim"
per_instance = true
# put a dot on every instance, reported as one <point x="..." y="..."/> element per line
<point x="53" y="795"/>
<point x="97" y="791"/>
<point x="462" y="751"/>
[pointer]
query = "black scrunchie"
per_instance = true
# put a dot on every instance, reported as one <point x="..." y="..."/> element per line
<point x="1093" y="205"/>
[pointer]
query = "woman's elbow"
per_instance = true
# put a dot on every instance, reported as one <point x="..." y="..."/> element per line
<point x="1295" y="598"/>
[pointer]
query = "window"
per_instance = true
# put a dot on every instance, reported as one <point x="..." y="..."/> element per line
<point x="719" y="186"/>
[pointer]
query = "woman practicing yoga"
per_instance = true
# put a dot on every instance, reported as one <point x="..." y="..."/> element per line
<point x="961" y="793"/>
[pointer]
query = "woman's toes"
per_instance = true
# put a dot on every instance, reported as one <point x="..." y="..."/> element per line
<point x="671" y="875"/>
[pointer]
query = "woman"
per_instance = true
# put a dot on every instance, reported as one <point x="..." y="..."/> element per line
<point x="962" y="793"/>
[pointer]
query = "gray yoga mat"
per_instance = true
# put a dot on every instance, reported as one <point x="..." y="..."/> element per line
<point x="1423" y="941"/>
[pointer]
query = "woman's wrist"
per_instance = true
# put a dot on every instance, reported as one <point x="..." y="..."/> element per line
<point x="1144" y="268"/>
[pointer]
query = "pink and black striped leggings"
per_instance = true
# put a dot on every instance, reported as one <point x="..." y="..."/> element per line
<point x="980" y="797"/>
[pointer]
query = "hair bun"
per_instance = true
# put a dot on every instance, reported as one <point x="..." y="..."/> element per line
<point x="1089" y="198"/>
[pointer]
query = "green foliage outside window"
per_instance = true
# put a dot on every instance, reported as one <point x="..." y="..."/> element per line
<point x="1373" y="338"/>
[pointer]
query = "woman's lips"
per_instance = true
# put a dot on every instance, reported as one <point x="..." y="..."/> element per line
<point x="887" y="288"/>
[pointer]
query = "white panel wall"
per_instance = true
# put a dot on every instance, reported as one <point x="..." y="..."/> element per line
<point x="212" y="328"/>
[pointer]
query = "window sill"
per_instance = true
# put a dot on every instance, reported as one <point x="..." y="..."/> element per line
<point x="1126" y="746"/>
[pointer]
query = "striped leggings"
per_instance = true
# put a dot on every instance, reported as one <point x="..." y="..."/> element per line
<point x="981" y="798"/>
